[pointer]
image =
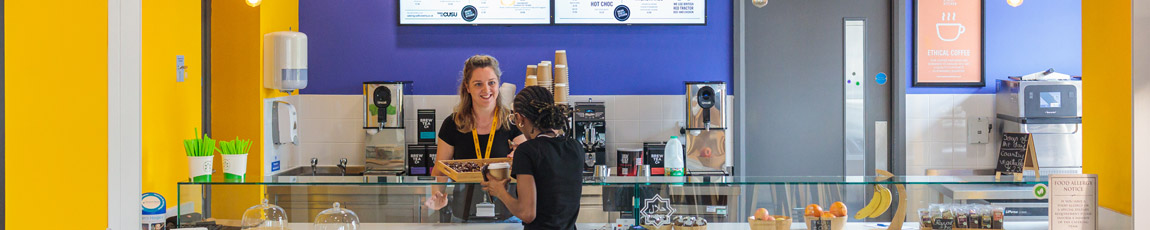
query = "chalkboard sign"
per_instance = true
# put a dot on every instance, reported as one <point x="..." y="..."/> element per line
<point x="1016" y="154"/>
<point x="1015" y="140"/>
<point x="1011" y="160"/>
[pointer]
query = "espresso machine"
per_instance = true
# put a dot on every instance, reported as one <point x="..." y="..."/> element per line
<point x="590" y="128"/>
<point x="385" y="147"/>
<point x="706" y="128"/>
<point x="1050" y="110"/>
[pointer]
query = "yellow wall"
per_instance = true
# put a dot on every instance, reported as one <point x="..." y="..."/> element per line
<point x="171" y="110"/>
<point x="237" y="86"/>
<point x="1106" y="100"/>
<point x="235" y="95"/>
<point x="56" y="141"/>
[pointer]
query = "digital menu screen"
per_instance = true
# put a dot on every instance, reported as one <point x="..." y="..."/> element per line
<point x="687" y="12"/>
<point x="474" y="12"/>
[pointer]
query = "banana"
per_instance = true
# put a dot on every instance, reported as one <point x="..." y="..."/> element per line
<point x="871" y="206"/>
<point x="884" y="193"/>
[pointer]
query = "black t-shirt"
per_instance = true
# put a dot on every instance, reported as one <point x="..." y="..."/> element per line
<point x="464" y="143"/>
<point x="557" y="165"/>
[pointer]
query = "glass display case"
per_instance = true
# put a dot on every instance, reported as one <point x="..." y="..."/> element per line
<point x="724" y="202"/>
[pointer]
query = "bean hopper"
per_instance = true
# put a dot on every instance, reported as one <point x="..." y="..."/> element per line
<point x="385" y="145"/>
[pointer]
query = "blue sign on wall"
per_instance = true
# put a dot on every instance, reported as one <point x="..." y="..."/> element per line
<point x="350" y="42"/>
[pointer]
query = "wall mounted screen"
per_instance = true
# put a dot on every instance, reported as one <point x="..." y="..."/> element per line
<point x="682" y="12"/>
<point x="474" y="12"/>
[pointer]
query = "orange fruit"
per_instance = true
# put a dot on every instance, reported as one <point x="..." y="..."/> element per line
<point x="813" y="210"/>
<point x="761" y="214"/>
<point x="839" y="209"/>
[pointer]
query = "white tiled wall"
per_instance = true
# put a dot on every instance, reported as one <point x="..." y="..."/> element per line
<point x="937" y="132"/>
<point x="330" y="126"/>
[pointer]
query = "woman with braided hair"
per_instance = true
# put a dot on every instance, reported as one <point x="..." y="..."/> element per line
<point x="548" y="166"/>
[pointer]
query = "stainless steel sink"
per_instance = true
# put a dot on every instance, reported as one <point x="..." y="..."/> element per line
<point x="323" y="171"/>
<point x="322" y="174"/>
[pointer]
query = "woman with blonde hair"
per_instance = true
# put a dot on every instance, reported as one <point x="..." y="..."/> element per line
<point x="477" y="129"/>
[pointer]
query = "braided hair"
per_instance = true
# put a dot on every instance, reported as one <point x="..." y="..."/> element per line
<point x="537" y="104"/>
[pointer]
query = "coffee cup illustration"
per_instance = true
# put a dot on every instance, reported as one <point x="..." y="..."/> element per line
<point x="952" y="30"/>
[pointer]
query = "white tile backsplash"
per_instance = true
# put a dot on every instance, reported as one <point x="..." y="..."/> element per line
<point x="937" y="128"/>
<point x="330" y="126"/>
<point x="939" y="106"/>
<point x="920" y="103"/>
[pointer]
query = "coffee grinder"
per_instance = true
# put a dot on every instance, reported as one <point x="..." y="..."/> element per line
<point x="590" y="128"/>
<point x="385" y="146"/>
<point x="706" y="128"/>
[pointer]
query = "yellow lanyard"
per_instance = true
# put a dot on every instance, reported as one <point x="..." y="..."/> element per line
<point x="490" y="137"/>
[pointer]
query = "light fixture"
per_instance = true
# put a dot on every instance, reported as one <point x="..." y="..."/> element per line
<point x="253" y="3"/>
<point x="759" y="3"/>
<point x="1014" y="3"/>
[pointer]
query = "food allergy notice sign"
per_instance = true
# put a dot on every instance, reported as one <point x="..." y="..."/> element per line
<point x="1073" y="202"/>
<point x="474" y="12"/>
<point x="948" y="43"/>
<point x="689" y="12"/>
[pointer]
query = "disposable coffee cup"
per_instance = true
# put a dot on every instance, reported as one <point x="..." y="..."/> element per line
<point x="532" y="80"/>
<point x="499" y="171"/>
<point x="200" y="168"/>
<point x="560" y="73"/>
<point x="235" y="167"/>
<point x="544" y="72"/>
<point x="531" y="70"/>
<point x="560" y="57"/>
<point x="560" y="92"/>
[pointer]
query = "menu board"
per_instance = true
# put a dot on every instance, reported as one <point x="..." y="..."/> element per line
<point x="948" y="43"/>
<point x="473" y="12"/>
<point x="691" y="12"/>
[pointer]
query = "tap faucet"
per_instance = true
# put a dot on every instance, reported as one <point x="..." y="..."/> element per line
<point x="314" y="161"/>
<point x="342" y="166"/>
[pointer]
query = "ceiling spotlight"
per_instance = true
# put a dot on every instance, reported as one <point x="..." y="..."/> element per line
<point x="1014" y="3"/>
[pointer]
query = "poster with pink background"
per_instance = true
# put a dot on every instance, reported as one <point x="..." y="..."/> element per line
<point x="948" y="43"/>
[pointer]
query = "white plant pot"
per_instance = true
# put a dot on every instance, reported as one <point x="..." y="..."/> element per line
<point x="200" y="166"/>
<point x="236" y="164"/>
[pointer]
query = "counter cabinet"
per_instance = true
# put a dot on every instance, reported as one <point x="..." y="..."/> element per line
<point x="386" y="201"/>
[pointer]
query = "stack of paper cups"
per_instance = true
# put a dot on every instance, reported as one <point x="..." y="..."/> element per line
<point x="561" y="78"/>
<point x="543" y="74"/>
<point x="560" y="57"/>
<point x="532" y="80"/>
<point x="561" y="93"/>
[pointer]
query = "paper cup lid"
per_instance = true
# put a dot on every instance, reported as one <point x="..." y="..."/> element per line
<point x="500" y="165"/>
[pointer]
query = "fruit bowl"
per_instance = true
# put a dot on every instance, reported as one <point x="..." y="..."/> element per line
<point x="652" y="227"/>
<point x="704" y="227"/>
<point x="779" y="223"/>
<point x="826" y="223"/>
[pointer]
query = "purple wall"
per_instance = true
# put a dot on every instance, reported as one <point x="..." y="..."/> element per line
<point x="1021" y="40"/>
<point x="350" y="42"/>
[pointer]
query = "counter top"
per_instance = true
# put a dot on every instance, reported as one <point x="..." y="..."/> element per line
<point x="1029" y="225"/>
<point x="620" y="180"/>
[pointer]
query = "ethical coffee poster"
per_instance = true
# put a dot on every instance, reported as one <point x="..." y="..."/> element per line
<point x="948" y="43"/>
